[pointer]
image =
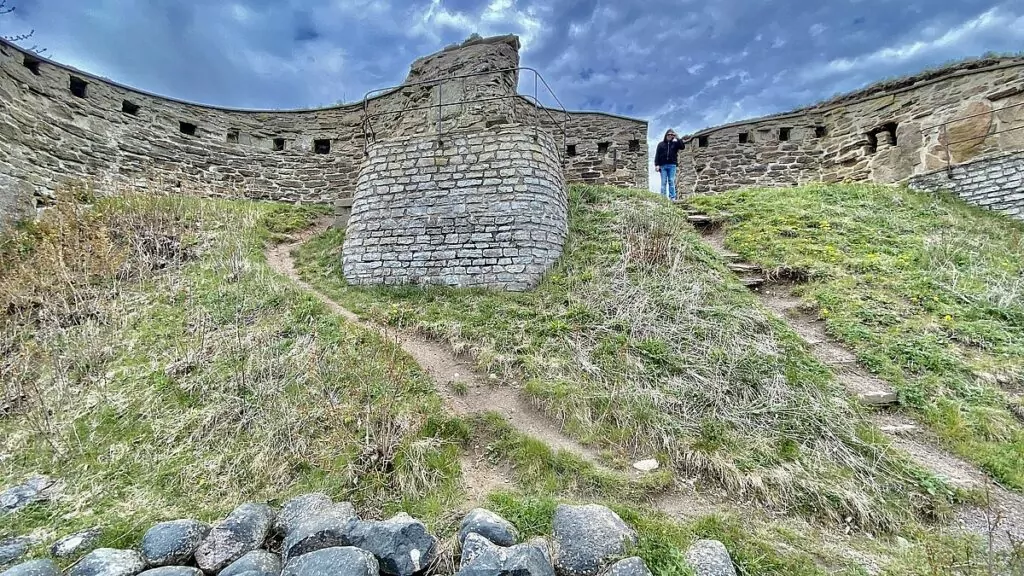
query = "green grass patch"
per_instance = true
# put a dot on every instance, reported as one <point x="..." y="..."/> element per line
<point x="640" y="342"/>
<point x="929" y="293"/>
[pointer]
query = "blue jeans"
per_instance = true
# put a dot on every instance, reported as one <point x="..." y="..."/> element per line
<point x="668" y="181"/>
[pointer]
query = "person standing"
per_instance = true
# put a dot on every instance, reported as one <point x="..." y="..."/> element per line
<point x="665" y="161"/>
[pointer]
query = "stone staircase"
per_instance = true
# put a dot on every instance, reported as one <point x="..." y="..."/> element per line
<point x="869" y="390"/>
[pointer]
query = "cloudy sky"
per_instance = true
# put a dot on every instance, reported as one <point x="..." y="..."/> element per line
<point x="687" y="64"/>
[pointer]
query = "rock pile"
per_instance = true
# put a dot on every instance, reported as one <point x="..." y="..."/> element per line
<point x="313" y="536"/>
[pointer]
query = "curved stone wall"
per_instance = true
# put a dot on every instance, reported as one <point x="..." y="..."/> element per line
<point x="484" y="208"/>
<point x="882" y="134"/>
<point x="59" y="124"/>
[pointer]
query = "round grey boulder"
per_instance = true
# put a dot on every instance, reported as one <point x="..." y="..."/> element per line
<point x="329" y="529"/>
<point x="174" y="542"/>
<point x="299" y="508"/>
<point x="401" y="544"/>
<point x="710" y="558"/>
<point x="255" y="563"/>
<point x="244" y="530"/>
<point x="481" y="557"/>
<point x="173" y="571"/>
<point x="109" y="562"/>
<point x="13" y="548"/>
<point x="35" y="489"/>
<point x="633" y="566"/>
<point x="490" y="526"/>
<point x="33" y="568"/>
<point x="75" y="543"/>
<point x="587" y="537"/>
<point x="338" y="561"/>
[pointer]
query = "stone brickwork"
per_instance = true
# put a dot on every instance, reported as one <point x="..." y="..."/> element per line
<point x="59" y="124"/>
<point x="885" y="133"/>
<point x="995" y="182"/>
<point x="484" y="208"/>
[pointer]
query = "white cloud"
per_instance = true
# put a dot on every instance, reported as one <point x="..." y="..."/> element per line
<point x="817" y="29"/>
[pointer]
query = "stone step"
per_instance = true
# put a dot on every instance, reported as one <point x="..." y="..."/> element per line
<point x="743" y="267"/>
<point x="752" y="281"/>
<point x="728" y="255"/>
<point x="877" y="398"/>
<point x="699" y="219"/>
<point x="899" y="429"/>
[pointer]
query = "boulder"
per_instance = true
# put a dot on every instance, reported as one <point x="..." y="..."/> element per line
<point x="35" y="489"/>
<point x="329" y="529"/>
<point x="401" y="544"/>
<point x="710" y="558"/>
<point x="244" y="530"/>
<point x="587" y="537"/>
<point x="173" y="571"/>
<point x="490" y="526"/>
<point x="633" y="566"/>
<point x="75" y="543"/>
<point x="255" y="563"/>
<point x="13" y="548"/>
<point x="338" y="561"/>
<point x="174" y="542"/>
<point x="33" y="568"/>
<point x="299" y="508"/>
<point x="109" y="562"/>
<point x="481" y="557"/>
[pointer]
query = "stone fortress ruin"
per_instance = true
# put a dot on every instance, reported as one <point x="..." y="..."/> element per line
<point x="452" y="177"/>
<point x="959" y="128"/>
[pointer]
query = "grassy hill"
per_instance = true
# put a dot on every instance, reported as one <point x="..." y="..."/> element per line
<point x="154" y="362"/>
<point x="928" y="291"/>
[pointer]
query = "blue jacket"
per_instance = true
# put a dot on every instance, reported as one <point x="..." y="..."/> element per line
<point x="667" y="152"/>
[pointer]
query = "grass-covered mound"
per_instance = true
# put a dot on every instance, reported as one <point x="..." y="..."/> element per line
<point x="928" y="291"/>
<point x="641" y="342"/>
<point x="153" y="362"/>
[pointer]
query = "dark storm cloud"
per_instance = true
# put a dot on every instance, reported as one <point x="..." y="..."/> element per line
<point x="681" y="63"/>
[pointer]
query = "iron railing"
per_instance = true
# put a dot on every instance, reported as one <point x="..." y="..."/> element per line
<point x="370" y="132"/>
<point x="944" y="134"/>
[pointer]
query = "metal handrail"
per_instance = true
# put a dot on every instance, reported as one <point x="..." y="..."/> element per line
<point x="370" y="135"/>
<point x="945" y="134"/>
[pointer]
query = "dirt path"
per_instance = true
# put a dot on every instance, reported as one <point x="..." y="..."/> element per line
<point x="1003" y="521"/>
<point x="463" y="388"/>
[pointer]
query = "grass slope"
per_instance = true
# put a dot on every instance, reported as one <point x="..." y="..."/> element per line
<point x="153" y="362"/>
<point x="640" y="341"/>
<point x="928" y="291"/>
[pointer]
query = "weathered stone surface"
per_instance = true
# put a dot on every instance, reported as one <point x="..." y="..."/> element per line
<point x="401" y="543"/>
<point x="33" y="568"/>
<point x="328" y="529"/>
<point x="255" y="563"/>
<point x="994" y="182"/>
<point x="484" y="209"/>
<point x="341" y="561"/>
<point x="587" y="537"/>
<point x="13" y="548"/>
<point x="35" y="489"/>
<point x="244" y="530"/>
<point x="710" y="558"/>
<point x="298" y="509"/>
<point x="75" y="543"/>
<point x="173" y="571"/>
<point x="481" y="557"/>
<point x="632" y="566"/>
<point x="174" y="542"/>
<point x="48" y="135"/>
<point x="490" y="526"/>
<point x="966" y="137"/>
<point x="109" y="562"/>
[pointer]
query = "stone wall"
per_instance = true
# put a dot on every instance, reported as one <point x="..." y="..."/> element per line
<point x="483" y="208"/>
<point x="59" y="124"/>
<point x="994" y="182"/>
<point x="885" y="133"/>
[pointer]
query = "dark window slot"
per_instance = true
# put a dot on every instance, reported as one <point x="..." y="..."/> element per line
<point x="820" y="131"/>
<point x="602" y="147"/>
<point x="744" y="137"/>
<point x="702" y="141"/>
<point x="278" y="144"/>
<point x="322" y="146"/>
<point x="891" y="129"/>
<point x="187" y="128"/>
<point x="78" y="86"/>
<point x="32" y="64"/>
<point x="784" y="134"/>
<point x="232" y="137"/>
<point x="570" y="150"/>
<point x="634" y="145"/>
<point x="129" y="107"/>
